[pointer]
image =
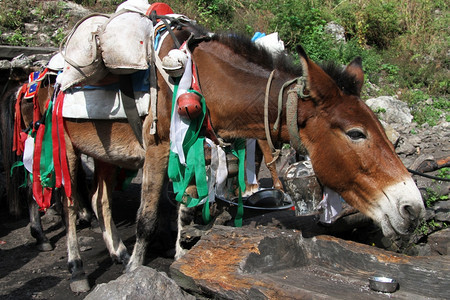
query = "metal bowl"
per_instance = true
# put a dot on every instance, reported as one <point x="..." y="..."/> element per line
<point x="269" y="198"/>
<point x="264" y="200"/>
<point x="383" y="284"/>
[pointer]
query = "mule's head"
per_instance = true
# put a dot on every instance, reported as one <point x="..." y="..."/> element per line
<point x="350" y="152"/>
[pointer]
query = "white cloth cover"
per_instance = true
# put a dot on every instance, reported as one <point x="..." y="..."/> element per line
<point x="82" y="49"/>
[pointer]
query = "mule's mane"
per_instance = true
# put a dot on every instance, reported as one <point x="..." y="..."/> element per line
<point x="243" y="46"/>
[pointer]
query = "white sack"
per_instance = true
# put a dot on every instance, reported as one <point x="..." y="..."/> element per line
<point x="125" y="42"/>
<point x="83" y="63"/>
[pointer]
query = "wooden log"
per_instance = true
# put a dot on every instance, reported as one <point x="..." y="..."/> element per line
<point x="272" y="263"/>
<point x="9" y="52"/>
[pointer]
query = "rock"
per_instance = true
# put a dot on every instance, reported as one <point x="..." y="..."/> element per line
<point x="5" y="64"/>
<point x="442" y="206"/>
<point x="404" y="147"/>
<point x="391" y="109"/>
<point x="142" y="283"/>
<point x="429" y="214"/>
<point x="85" y="240"/>
<point x="439" y="242"/>
<point x="31" y="27"/>
<point x="302" y="186"/>
<point x="442" y="211"/>
<point x="391" y="133"/>
<point x="21" y="61"/>
<point x="442" y="216"/>
<point x="336" y="30"/>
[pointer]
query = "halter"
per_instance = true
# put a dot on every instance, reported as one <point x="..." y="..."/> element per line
<point x="294" y="94"/>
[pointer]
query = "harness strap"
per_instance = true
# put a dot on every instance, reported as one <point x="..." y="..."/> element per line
<point x="275" y="152"/>
<point x="291" y="112"/>
<point x="129" y="105"/>
<point x="153" y="89"/>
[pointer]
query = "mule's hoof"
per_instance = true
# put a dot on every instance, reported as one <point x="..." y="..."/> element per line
<point x="44" y="247"/>
<point x="79" y="285"/>
<point x="123" y="258"/>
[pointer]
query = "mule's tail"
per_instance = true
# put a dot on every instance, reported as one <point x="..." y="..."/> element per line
<point x="16" y="198"/>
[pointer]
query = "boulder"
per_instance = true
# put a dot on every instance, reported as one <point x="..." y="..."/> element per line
<point x="390" y="109"/>
<point x="336" y="30"/>
<point x="439" y="242"/>
<point x="142" y="283"/>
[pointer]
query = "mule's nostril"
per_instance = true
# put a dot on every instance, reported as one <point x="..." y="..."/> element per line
<point x="408" y="212"/>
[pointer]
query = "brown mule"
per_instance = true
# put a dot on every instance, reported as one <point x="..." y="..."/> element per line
<point x="347" y="145"/>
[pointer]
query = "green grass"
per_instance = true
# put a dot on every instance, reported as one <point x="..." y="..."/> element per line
<point x="403" y="43"/>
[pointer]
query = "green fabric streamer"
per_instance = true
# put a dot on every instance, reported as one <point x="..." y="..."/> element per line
<point x="46" y="165"/>
<point x="239" y="151"/>
<point x="181" y="175"/>
<point x="20" y="164"/>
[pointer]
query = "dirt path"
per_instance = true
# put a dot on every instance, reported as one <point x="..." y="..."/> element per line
<point x="27" y="273"/>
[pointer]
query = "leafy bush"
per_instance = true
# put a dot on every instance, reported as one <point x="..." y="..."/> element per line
<point x="372" y="22"/>
<point x="403" y="43"/>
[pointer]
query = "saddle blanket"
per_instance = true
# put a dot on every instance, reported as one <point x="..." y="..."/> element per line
<point x="104" y="102"/>
<point x="101" y="104"/>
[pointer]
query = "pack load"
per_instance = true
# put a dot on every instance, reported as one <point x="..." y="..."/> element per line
<point x="125" y="38"/>
<point x="83" y="63"/>
<point x="120" y="43"/>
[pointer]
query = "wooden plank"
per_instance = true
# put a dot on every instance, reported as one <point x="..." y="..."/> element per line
<point x="9" y="52"/>
<point x="272" y="263"/>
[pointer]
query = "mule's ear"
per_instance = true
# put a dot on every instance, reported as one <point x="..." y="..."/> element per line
<point x="355" y="69"/>
<point x="319" y="85"/>
<point x="304" y="61"/>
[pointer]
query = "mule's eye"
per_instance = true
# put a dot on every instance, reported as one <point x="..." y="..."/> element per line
<point x="356" y="134"/>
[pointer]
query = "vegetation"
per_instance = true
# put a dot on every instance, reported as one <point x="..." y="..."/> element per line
<point x="403" y="43"/>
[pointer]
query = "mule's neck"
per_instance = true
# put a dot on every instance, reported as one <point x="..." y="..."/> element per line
<point x="234" y="89"/>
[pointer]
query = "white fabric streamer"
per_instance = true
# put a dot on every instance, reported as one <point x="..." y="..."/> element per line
<point x="332" y="205"/>
<point x="28" y="154"/>
<point x="179" y="127"/>
<point x="250" y="161"/>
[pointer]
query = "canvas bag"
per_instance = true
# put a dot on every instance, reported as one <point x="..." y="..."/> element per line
<point x="125" y="40"/>
<point x="82" y="57"/>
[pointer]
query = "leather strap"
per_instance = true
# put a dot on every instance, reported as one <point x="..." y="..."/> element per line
<point x="129" y="105"/>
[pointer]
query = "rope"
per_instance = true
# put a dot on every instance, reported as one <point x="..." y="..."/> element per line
<point x="266" y="116"/>
<point x="427" y="176"/>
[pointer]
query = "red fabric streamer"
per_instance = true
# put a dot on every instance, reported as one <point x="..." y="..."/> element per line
<point x="59" y="147"/>
<point x="18" y="145"/>
<point x="42" y="196"/>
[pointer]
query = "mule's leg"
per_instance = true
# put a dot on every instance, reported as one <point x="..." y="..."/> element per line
<point x="185" y="217"/>
<point x="42" y="242"/>
<point x="101" y="203"/>
<point x="153" y="174"/>
<point x="268" y="159"/>
<point x="85" y="213"/>
<point x="78" y="281"/>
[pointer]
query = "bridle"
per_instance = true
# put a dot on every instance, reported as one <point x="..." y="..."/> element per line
<point x="294" y="94"/>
